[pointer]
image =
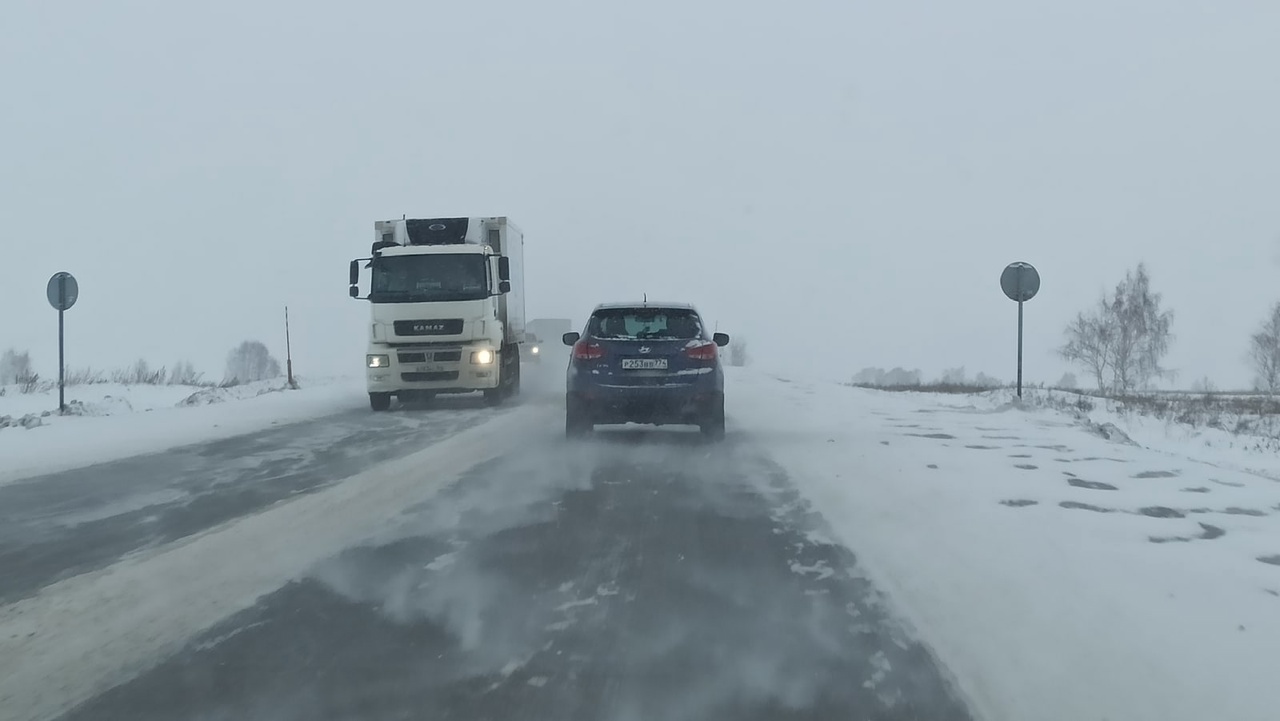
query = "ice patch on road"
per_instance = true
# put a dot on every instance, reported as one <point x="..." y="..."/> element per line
<point x="569" y="606"/>
<point x="820" y="569"/>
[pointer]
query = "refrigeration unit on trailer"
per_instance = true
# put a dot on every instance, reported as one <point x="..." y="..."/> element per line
<point x="446" y="302"/>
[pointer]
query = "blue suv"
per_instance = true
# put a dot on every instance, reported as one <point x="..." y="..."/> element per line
<point x="645" y="363"/>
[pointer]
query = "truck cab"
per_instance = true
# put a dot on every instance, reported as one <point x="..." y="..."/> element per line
<point x="447" y="308"/>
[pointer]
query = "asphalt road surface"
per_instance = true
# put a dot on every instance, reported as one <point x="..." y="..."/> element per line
<point x="633" y="575"/>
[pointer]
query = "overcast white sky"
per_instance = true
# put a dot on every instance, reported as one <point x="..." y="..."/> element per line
<point x="840" y="181"/>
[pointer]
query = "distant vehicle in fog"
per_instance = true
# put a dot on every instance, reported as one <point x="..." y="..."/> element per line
<point x="653" y="363"/>
<point x="532" y="349"/>
<point x="547" y="330"/>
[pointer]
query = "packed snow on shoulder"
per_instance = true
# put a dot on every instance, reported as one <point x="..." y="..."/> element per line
<point x="1062" y="564"/>
<point x="109" y="421"/>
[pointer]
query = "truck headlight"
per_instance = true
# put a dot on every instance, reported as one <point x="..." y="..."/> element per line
<point x="377" y="361"/>
<point x="536" y="350"/>
<point x="482" y="357"/>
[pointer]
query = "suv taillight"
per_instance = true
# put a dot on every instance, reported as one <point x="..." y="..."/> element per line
<point x="706" y="351"/>
<point x="582" y="350"/>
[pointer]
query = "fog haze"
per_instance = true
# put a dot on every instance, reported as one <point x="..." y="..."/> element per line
<point x="841" y="183"/>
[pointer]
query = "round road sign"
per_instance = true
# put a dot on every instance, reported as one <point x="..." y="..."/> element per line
<point x="63" y="291"/>
<point x="1020" y="281"/>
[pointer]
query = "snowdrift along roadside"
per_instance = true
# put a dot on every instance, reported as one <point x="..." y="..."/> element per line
<point x="1059" y="575"/>
<point x="108" y="421"/>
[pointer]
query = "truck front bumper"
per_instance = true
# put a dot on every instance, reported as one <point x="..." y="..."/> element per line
<point x="454" y="369"/>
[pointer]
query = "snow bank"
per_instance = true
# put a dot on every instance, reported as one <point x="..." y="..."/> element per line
<point x="110" y="421"/>
<point x="1221" y="438"/>
<point x="1057" y="573"/>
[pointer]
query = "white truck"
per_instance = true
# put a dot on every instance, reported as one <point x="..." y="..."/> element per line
<point x="447" y="299"/>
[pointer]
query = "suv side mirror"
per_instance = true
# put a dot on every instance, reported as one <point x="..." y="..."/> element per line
<point x="721" y="339"/>
<point x="504" y="286"/>
<point x="504" y="268"/>
<point x="570" y="338"/>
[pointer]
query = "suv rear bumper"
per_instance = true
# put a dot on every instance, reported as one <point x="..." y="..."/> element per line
<point x="614" y="404"/>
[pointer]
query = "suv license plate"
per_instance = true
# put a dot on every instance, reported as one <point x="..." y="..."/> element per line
<point x="644" y="364"/>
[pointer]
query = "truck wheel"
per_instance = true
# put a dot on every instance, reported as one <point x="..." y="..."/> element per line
<point x="493" y="396"/>
<point x="380" y="401"/>
<point x="712" y="426"/>
<point x="515" y="380"/>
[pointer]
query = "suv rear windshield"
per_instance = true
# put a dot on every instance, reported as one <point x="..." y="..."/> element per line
<point x="645" y="324"/>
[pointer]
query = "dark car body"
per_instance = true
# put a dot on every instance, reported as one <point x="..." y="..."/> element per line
<point x="652" y="363"/>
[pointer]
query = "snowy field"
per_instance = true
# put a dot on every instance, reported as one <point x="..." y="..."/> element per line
<point x="1058" y="574"/>
<point x="108" y="421"/>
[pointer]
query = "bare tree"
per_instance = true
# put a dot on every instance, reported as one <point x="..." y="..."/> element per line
<point x="1126" y="337"/>
<point x="251" y="361"/>
<point x="1204" y="385"/>
<point x="1068" y="381"/>
<point x="184" y="374"/>
<point x="1089" y="342"/>
<point x="982" y="380"/>
<point x="1264" y="351"/>
<point x="15" y="367"/>
<point x="869" y="377"/>
<point x="140" y="373"/>
<point x="1142" y="333"/>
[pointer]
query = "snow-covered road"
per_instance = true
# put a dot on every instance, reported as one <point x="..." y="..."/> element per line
<point x="495" y="571"/>
<point x="844" y="554"/>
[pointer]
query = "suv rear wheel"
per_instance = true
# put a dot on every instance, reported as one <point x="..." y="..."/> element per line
<point x="577" y="423"/>
<point x="712" y="426"/>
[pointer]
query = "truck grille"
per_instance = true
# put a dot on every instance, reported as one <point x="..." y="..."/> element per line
<point x="452" y="326"/>
<point x="429" y="377"/>
<point x="440" y="356"/>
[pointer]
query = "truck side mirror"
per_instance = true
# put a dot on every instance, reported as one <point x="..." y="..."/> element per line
<point x="354" y="291"/>
<point x="504" y="286"/>
<point x="721" y="339"/>
<point x="570" y="338"/>
<point x="355" y="273"/>
<point x="504" y="268"/>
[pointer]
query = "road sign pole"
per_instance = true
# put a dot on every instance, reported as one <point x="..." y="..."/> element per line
<point x="62" y="292"/>
<point x="288" y="348"/>
<point x="1019" y="349"/>
<point x="1020" y="283"/>
<point x="62" y="358"/>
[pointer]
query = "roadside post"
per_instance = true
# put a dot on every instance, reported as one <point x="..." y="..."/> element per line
<point x="62" y="292"/>
<point x="1020" y="282"/>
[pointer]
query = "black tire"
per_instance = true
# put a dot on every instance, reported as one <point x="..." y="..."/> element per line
<point x="380" y="401"/>
<point x="577" y="424"/>
<point x="515" y="380"/>
<point x="493" y="396"/>
<point x="712" y="426"/>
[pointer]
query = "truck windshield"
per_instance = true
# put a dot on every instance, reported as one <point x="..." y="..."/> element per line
<point x="426" y="278"/>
